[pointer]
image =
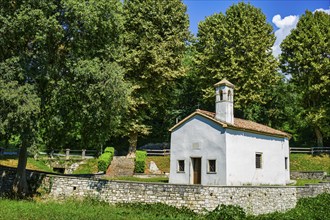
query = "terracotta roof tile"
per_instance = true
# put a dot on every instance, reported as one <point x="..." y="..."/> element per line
<point x="242" y="124"/>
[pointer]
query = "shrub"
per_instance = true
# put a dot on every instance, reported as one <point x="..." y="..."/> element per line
<point x="109" y="150"/>
<point x="140" y="161"/>
<point x="226" y="212"/>
<point x="105" y="159"/>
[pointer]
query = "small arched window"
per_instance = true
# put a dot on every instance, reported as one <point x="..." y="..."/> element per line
<point x="230" y="96"/>
<point x="221" y="95"/>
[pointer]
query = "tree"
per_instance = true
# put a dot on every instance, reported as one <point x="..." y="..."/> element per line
<point x="155" y="35"/>
<point x="64" y="48"/>
<point x="18" y="116"/>
<point x="25" y="30"/>
<point x="305" y="57"/>
<point x="85" y="108"/>
<point x="237" y="46"/>
<point x="89" y="96"/>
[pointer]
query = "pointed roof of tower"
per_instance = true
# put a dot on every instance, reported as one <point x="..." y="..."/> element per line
<point x="224" y="82"/>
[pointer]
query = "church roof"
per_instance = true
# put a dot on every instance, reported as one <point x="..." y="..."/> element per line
<point x="239" y="124"/>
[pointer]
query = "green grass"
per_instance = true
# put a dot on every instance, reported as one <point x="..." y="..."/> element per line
<point x="32" y="164"/>
<point x="137" y="179"/>
<point x="88" y="210"/>
<point x="89" y="166"/>
<point x="306" y="162"/>
<point x="40" y="165"/>
<point x="307" y="208"/>
<point x="163" y="163"/>
<point x="303" y="182"/>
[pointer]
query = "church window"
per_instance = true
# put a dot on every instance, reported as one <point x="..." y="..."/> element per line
<point x="180" y="165"/>
<point x="286" y="163"/>
<point x="211" y="166"/>
<point x="221" y="95"/>
<point x="258" y="160"/>
<point x="230" y="96"/>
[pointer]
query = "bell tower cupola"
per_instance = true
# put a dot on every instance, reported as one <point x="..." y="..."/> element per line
<point x="224" y="101"/>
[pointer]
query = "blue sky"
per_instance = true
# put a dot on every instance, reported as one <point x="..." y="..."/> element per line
<point x="282" y="14"/>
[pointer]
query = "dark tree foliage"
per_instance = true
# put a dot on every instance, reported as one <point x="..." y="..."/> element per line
<point x="305" y="57"/>
<point x="155" y="35"/>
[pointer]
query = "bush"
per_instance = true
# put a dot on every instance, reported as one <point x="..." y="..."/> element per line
<point x="105" y="159"/>
<point x="109" y="150"/>
<point x="140" y="161"/>
<point x="226" y="212"/>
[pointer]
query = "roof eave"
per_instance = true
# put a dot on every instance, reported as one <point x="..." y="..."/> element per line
<point x="260" y="132"/>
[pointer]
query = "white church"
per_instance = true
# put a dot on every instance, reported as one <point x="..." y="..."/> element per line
<point x="217" y="149"/>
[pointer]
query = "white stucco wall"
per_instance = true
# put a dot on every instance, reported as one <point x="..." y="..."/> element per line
<point x="241" y="158"/>
<point x="234" y="152"/>
<point x="201" y="138"/>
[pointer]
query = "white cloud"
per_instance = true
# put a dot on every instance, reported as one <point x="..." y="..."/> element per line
<point x="324" y="10"/>
<point x="284" y="26"/>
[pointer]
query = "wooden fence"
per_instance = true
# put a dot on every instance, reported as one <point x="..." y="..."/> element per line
<point x="67" y="153"/>
<point x="161" y="152"/>
<point x="310" y="150"/>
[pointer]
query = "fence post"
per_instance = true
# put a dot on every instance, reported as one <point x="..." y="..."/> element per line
<point x="67" y="153"/>
<point x="83" y="153"/>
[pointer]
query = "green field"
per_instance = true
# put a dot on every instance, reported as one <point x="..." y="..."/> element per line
<point x="306" y="162"/>
<point x="92" y="209"/>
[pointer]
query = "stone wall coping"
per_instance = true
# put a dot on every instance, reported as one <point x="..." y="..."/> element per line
<point x="178" y="185"/>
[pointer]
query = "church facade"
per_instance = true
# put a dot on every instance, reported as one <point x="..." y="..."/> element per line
<point x="218" y="149"/>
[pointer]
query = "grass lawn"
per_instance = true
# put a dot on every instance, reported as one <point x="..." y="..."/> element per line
<point x="303" y="182"/>
<point x="89" y="166"/>
<point x="306" y="162"/>
<point x="137" y="179"/>
<point x="88" y="210"/>
<point x="163" y="163"/>
<point x="31" y="164"/>
<point x="307" y="208"/>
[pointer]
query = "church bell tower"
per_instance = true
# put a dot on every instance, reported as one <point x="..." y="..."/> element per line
<point x="224" y="101"/>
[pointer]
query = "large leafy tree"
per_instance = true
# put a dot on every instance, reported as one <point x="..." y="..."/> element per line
<point x="237" y="46"/>
<point x="26" y="51"/>
<point x="89" y="95"/>
<point x="305" y="57"/>
<point x="65" y="50"/>
<point x="155" y="35"/>
<point x="86" y="107"/>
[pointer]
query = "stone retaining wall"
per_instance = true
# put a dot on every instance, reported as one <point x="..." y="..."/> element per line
<point x="308" y="175"/>
<point x="254" y="199"/>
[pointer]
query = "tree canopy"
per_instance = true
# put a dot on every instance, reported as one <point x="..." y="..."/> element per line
<point x="305" y="57"/>
<point x="154" y="42"/>
<point x="237" y="46"/>
<point x="66" y="51"/>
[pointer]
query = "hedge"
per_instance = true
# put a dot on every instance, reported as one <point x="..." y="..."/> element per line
<point x="105" y="159"/>
<point x="140" y="161"/>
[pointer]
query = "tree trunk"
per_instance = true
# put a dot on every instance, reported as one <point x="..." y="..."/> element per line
<point x="20" y="186"/>
<point x="133" y="136"/>
<point x="319" y="136"/>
